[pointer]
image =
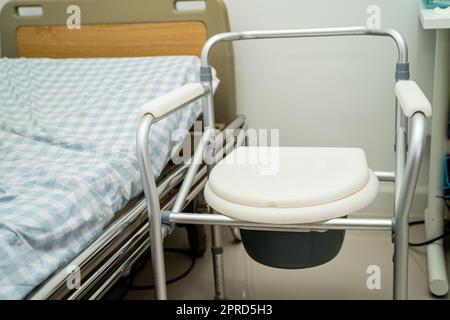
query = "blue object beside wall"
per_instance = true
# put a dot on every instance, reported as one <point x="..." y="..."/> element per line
<point x="432" y="4"/>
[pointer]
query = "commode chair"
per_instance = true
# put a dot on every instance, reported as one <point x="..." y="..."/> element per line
<point x="306" y="189"/>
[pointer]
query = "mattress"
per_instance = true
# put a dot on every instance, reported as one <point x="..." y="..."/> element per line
<point x="67" y="153"/>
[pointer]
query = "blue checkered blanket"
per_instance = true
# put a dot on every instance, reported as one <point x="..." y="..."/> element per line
<point x="67" y="153"/>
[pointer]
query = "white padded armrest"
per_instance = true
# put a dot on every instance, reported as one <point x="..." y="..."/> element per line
<point x="411" y="98"/>
<point x="170" y="101"/>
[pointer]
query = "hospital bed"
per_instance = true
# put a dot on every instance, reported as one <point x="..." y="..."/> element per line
<point x="313" y="189"/>
<point x="112" y="31"/>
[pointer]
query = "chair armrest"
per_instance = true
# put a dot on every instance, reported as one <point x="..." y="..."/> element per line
<point x="173" y="100"/>
<point x="412" y="99"/>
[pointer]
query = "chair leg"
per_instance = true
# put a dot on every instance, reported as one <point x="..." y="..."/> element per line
<point x="406" y="185"/>
<point x="217" y="253"/>
<point x="158" y="263"/>
<point x="401" y="251"/>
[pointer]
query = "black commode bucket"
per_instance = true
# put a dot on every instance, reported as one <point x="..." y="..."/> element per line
<point x="292" y="250"/>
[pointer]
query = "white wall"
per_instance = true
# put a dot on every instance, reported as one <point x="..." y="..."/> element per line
<point x="2" y="2"/>
<point x="327" y="92"/>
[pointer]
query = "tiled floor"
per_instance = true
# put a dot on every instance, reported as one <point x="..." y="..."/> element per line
<point x="344" y="277"/>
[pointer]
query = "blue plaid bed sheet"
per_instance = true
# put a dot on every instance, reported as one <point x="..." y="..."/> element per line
<point x="67" y="153"/>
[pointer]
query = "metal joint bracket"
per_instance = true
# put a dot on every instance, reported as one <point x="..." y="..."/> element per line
<point x="165" y="221"/>
<point x="206" y="74"/>
<point x="207" y="89"/>
<point x="165" y="217"/>
<point x="393" y="231"/>
<point x="402" y="71"/>
<point x="217" y="250"/>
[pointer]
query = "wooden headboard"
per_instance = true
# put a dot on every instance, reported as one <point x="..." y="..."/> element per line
<point x="120" y="28"/>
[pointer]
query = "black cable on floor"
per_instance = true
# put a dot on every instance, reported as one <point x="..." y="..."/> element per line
<point x="442" y="236"/>
<point x="177" y="278"/>
<point x="413" y="223"/>
<point x="128" y="281"/>
<point x="420" y="244"/>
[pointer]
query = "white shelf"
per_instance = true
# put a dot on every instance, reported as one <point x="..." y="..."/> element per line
<point x="432" y="20"/>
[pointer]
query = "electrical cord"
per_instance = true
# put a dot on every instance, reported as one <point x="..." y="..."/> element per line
<point x="442" y="236"/>
<point x="420" y="244"/>
<point x="128" y="281"/>
<point x="177" y="278"/>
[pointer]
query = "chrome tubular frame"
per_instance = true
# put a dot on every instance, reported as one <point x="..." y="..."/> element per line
<point x="125" y="240"/>
<point x="403" y="204"/>
<point x="151" y="196"/>
<point x="335" y="224"/>
<point x="407" y="165"/>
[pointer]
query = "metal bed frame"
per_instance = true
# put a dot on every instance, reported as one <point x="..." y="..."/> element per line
<point x="125" y="239"/>
<point x="407" y="166"/>
<point x="112" y="255"/>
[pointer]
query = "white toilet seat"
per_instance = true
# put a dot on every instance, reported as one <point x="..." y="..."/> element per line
<point x="291" y="185"/>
